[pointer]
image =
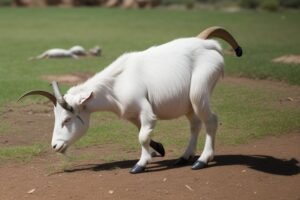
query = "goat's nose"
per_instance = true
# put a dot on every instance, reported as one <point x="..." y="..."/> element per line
<point x="54" y="146"/>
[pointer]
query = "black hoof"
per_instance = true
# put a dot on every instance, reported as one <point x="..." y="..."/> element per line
<point x="154" y="154"/>
<point x="137" y="169"/>
<point x="181" y="161"/>
<point x="158" y="147"/>
<point x="199" y="165"/>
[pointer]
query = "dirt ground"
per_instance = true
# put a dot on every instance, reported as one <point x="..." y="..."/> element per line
<point x="262" y="169"/>
<point x="288" y="59"/>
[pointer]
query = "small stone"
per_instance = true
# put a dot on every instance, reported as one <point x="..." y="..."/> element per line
<point x="31" y="191"/>
<point x="189" y="187"/>
<point x="110" y="191"/>
<point x="165" y="179"/>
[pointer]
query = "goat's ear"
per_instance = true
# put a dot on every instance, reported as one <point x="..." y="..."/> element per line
<point x="84" y="98"/>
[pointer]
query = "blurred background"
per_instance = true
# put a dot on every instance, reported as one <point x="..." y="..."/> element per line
<point x="270" y="5"/>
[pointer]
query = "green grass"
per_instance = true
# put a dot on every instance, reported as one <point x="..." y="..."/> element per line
<point x="20" y="153"/>
<point x="264" y="36"/>
<point x="28" y="32"/>
<point x="249" y="113"/>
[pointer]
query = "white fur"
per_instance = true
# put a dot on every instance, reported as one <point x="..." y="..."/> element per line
<point x="162" y="82"/>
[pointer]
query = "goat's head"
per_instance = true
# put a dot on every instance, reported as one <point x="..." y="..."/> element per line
<point x="71" y="116"/>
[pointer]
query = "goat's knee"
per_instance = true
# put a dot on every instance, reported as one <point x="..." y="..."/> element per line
<point x="144" y="138"/>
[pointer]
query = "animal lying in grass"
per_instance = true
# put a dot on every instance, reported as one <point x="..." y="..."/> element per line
<point x="163" y="82"/>
<point x="74" y="52"/>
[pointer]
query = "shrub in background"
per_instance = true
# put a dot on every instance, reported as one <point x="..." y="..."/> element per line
<point x="270" y="5"/>
<point x="249" y="4"/>
<point x="6" y="2"/>
<point x="290" y="3"/>
<point x="189" y="4"/>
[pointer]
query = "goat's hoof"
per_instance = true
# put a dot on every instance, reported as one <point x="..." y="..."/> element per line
<point x="158" y="147"/>
<point x="137" y="169"/>
<point x="154" y="154"/>
<point x="199" y="165"/>
<point x="181" y="161"/>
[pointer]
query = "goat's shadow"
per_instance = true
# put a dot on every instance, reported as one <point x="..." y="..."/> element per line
<point x="262" y="163"/>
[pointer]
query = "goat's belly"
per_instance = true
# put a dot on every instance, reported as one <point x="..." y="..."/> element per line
<point x="171" y="108"/>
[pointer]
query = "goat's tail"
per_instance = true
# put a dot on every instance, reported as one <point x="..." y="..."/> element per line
<point x="219" y="32"/>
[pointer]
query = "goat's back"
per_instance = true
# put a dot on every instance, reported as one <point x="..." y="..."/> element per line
<point x="163" y="74"/>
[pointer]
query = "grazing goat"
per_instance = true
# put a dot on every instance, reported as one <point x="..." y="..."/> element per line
<point x="73" y="52"/>
<point x="162" y="82"/>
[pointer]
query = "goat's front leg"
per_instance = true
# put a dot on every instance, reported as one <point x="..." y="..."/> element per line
<point x="156" y="146"/>
<point x="148" y="120"/>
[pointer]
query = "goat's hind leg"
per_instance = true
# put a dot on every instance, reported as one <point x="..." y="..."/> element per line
<point x="195" y="126"/>
<point x="211" y="124"/>
<point x="202" y="84"/>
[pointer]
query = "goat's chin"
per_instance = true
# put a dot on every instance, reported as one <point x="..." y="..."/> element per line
<point x="62" y="149"/>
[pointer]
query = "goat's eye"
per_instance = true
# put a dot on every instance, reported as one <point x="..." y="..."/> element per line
<point x="67" y="120"/>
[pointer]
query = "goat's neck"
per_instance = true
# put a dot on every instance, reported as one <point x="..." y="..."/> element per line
<point x="103" y="98"/>
<point x="102" y="85"/>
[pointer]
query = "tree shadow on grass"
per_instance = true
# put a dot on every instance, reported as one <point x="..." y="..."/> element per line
<point x="262" y="163"/>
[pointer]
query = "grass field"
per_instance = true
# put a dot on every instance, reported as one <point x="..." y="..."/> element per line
<point x="28" y="32"/>
<point x="264" y="36"/>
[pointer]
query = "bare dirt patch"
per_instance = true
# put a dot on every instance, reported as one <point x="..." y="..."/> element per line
<point x="288" y="59"/>
<point x="27" y="125"/>
<point x="68" y="79"/>
<point x="263" y="169"/>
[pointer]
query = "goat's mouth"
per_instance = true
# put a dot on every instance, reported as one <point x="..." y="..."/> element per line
<point x="62" y="149"/>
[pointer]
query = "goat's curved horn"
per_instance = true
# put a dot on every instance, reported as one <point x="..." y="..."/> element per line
<point x="50" y="96"/>
<point x="220" y="32"/>
<point x="59" y="97"/>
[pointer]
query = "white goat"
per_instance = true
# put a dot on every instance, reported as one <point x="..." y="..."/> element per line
<point x="73" y="52"/>
<point x="162" y="82"/>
